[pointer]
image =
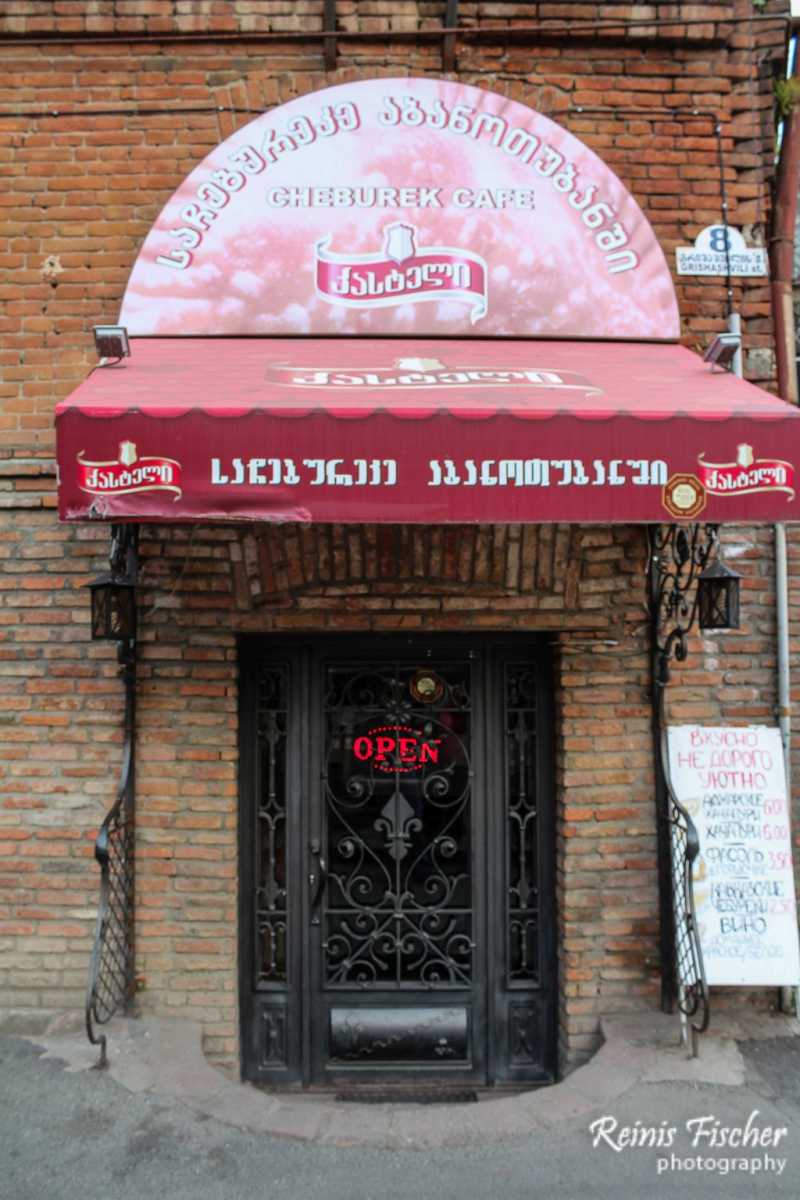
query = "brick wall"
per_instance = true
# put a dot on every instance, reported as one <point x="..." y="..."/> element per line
<point x="221" y="17"/>
<point x="79" y="195"/>
<point x="62" y="711"/>
<point x="80" y="191"/>
<point x="61" y="715"/>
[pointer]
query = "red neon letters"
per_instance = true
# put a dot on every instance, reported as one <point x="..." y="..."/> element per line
<point x="396" y="748"/>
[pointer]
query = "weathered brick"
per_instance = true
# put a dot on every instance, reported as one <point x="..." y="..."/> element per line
<point x="78" y="198"/>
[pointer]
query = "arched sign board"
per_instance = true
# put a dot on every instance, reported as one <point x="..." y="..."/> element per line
<point x="403" y="227"/>
<point x="406" y="207"/>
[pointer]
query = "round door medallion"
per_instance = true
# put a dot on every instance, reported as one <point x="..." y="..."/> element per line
<point x="426" y="687"/>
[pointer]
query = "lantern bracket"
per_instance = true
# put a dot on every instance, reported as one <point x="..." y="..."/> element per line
<point x="123" y="559"/>
<point x="679" y="554"/>
<point x="123" y="553"/>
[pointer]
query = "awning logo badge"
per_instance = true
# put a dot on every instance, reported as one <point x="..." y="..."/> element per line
<point x="399" y="274"/>
<point x="393" y="748"/>
<point x="683" y="496"/>
<point x="746" y="475"/>
<point x="413" y="372"/>
<point x="129" y="473"/>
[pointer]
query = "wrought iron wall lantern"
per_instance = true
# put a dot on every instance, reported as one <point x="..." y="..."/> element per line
<point x="113" y="595"/>
<point x="113" y="609"/>
<point x="718" y="597"/>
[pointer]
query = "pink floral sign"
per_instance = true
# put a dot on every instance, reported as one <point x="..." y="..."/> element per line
<point x="402" y="207"/>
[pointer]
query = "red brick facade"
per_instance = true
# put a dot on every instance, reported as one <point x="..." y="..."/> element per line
<point x="81" y="193"/>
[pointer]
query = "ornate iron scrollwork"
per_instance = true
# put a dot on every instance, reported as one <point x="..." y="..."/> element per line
<point x="678" y="556"/>
<point x="271" y="896"/>
<point x="398" y="788"/>
<point x="111" y="982"/>
<point x="522" y="824"/>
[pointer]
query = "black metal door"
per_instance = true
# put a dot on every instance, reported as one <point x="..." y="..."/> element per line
<point x="396" y="844"/>
<point x="397" y="962"/>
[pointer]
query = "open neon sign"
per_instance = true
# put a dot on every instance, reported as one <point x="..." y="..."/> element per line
<point x="393" y="748"/>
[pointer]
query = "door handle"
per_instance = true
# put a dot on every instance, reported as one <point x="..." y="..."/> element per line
<point x="317" y="882"/>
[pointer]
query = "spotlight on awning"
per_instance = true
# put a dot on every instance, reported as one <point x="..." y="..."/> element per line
<point x="722" y="350"/>
<point x="111" y="341"/>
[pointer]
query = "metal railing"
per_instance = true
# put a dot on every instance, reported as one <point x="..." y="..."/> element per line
<point x="678" y="554"/>
<point x="692" y="989"/>
<point x="111" y="982"/>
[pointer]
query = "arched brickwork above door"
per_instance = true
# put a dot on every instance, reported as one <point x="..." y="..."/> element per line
<point x="279" y="561"/>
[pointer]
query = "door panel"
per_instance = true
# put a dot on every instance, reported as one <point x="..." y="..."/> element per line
<point x="396" y="860"/>
<point x="523" y="976"/>
<point x="270" y="955"/>
<point x="396" y="919"/>
<point x="397" y="796"/>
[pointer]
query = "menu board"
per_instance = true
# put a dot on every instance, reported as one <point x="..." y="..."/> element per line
<point x="732" y="782"/>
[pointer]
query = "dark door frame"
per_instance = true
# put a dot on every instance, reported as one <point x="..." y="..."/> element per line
<point x="514" y="1013"/>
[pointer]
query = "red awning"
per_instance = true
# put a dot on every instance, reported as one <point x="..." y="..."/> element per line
<point x="422" y="431"/>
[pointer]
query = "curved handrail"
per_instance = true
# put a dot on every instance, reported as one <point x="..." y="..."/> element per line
<point x="693" y="994"/>
<point x="678" y="556"/>
<point x="111" y="979"/>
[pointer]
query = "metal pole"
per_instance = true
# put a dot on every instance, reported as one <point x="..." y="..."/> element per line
<point x="724" y="202"/>
<point x="781" y="247"/>
<point x="658" y="670"/>
<point x="788" y="996"/>
<point x="735" y="326"/>
<point x="784" y="679"/>
<point x="782" y="270"/>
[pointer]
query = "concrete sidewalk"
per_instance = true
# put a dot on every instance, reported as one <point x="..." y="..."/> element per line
<point x="163" y="1057"/>
<point x="162" y="1124"/>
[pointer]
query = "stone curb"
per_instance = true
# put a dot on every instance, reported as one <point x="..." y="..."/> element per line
<point x="163" y="1056"/>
